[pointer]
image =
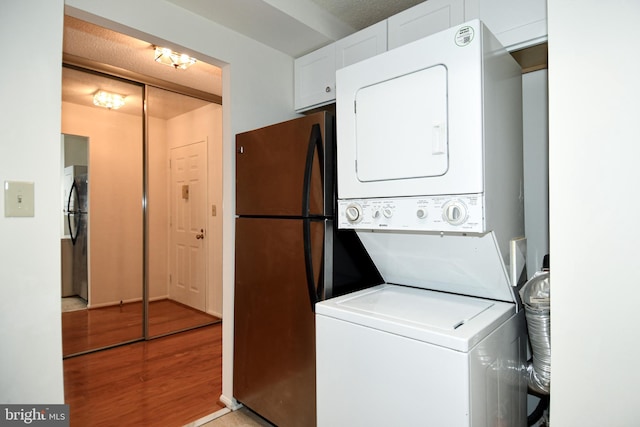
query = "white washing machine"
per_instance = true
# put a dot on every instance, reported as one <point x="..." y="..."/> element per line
<point x="397" y="355"/>
<point x="429" y="147"/>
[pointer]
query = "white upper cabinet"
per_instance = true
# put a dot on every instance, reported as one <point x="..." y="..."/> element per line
<point x="424" y="19"/>
<point x="315" y="78"/>
<point x="361" y="45"/>
<point x="315" y="73"/>
<point x="516" y="23"/>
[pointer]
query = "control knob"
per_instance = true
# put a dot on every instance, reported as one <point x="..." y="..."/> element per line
<point x="354" y="212"/>
<point x="455" y="212"/>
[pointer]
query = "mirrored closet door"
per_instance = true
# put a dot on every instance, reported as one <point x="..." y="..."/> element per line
<point x="101" y="211"/>
<point x="178" y="211"/>
<point x="136" y="226"/>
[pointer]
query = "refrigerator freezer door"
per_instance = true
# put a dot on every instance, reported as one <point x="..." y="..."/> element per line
<point x="278" y="166"/>
<point x="274" y="334"/>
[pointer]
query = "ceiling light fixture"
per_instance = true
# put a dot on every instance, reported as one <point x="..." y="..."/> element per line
<point x="174" y="59"/>
<point x="112" y="101"/>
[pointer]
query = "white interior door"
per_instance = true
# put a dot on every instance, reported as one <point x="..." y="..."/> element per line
<point x="188" y="234"/>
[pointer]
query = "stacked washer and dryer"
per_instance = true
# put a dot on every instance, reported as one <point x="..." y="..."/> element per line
<point x="430" y="177"/>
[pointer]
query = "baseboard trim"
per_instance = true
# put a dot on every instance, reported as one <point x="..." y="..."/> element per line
<point x="231" y="403"/>
<point x="210" y="417"/>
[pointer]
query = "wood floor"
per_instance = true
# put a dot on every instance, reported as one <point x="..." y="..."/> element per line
<point x="169" y="381"/>
<point x="84" y="330"/>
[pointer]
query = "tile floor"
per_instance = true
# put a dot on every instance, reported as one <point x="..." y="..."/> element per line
<point x="73" y="304"/>
<point x="240" y="418"/>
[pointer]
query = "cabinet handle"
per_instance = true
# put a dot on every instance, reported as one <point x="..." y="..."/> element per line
<point x="327" y="89"/>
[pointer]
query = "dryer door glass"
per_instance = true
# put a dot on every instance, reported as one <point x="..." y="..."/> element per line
<point x="401" y="127"/>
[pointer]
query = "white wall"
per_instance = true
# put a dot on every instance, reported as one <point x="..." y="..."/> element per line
<point x="594" y="149"/>
<point x="30" y="323"/>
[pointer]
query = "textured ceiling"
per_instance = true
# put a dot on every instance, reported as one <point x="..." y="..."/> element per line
<point x="360" y="14"/>
<point x="98" y="44"/>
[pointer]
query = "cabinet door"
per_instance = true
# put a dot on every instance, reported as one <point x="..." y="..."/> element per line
<point x="424" y="19"/>
<point x="361" y="45"/>
<point x="515" y="23"/>
<point x="315" y="78"/>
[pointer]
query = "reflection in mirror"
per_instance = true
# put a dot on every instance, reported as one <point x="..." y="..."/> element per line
<point x="184" y="238"/>
<point x="103" y="271"/>
<point x="75" y="179"/>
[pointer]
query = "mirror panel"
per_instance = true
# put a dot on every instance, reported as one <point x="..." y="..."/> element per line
<point x="113" y="242"/>
<point x="178" y="133"/>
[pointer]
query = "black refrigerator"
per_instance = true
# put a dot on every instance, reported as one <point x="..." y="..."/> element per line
<point x="288" y="256"/>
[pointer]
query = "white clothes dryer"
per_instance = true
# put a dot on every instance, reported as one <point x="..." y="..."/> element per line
<point x="429" y="137"/>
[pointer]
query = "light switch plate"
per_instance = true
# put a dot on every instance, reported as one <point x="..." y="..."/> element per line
<point x="18" y="198"/>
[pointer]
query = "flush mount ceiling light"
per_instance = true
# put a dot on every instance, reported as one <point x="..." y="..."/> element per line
<point x="112" y="101"/>
<point x="173" y="59"/>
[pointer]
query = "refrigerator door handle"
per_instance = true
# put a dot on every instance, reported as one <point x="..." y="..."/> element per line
<point x="315" y="144"/>
<point x="70" y="212"/>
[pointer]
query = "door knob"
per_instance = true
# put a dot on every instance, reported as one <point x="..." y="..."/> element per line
<point x="201" y="235"/>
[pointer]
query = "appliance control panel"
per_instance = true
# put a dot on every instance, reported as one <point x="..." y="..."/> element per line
<point x="459" y="213"/>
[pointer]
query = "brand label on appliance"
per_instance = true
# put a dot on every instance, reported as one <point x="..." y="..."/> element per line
<point x="464" y="36"/>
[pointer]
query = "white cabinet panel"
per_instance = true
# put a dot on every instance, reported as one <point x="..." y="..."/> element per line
<point x="315" y="73"/>
<point x="424" y="19"/>
<point x="535" y="130"/>
<point x="516" y="23"/>
<point x="315" y="78"/>
<point x="361" y="45"/>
